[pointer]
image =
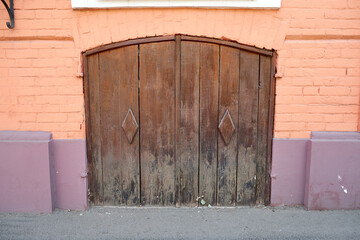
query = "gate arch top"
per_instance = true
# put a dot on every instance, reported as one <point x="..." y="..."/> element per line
<point x="180" y="37"/>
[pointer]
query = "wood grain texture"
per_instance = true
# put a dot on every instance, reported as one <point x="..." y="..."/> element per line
<point x="270" y="129"/>
<point x="177" y="118"/>
<point x="228" y="101"/>
<point x="209" y="83"/>
<point x="261" y="165"/>
<point x="179" y="92"/>
<point x="128" y="99"/>
<point x="247" y="134"/>
<point x="94" y="131"/>
<point x="110" y="126"/>
<point x="189" y="123"/>
<point x="157" y="123"/>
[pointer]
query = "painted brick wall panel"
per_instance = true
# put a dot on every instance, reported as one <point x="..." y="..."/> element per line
<point x="318" y="45"/>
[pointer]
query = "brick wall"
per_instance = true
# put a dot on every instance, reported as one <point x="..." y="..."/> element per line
<point x="319" y="90"/>
<point x="318" y="43"/>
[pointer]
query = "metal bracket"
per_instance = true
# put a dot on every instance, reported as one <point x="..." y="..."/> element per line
<point x="10" y="11"/>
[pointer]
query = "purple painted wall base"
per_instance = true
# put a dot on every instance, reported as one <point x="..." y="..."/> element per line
<point x="25" y="176"/>
<point x="70" y="174"/>
<point x="38" y="174"/>
<point x="288" y="171"/>
<point x="333" y="171"/>
<point x="322" y="172"/>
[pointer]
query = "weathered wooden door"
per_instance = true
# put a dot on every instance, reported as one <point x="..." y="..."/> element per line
<point x="178" y="120"/>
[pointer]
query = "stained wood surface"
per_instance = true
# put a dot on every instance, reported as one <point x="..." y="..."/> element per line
<point x="228" y="101"/>
<point x="270" y="129"/>
<point x="264" y="94"/>
<point x="189" y="123"/>
<point x="205" y="115"/>
<point x="177" y="119"/>
<point x="110" y="126"/>
<point x="95" y="169"/>
<point x="247" y="134"/>
<point x="128" y="99"/>
<point x="157" y="123"/>
<point x="209" y="83"/>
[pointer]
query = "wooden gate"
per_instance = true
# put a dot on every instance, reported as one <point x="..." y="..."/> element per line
<point x="179" y="120"/>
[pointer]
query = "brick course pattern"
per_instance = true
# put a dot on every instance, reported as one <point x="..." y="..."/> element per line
<point x="318" y="44"/>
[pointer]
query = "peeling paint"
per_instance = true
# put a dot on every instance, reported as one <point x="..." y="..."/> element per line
<point x="344" y="189"/>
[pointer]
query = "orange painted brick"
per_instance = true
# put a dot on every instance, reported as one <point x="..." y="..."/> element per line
<point x="289" y="91"/>
<point x="52" y="117"/>
<point x="70" y="90"/>
<point x="27" y="91"/>
<point x="333" y="118"/>
<point x="353" y="71"/>
<point x="51" y="100"/>
<point x="24" y="14"/>
<point x="279" y="134"/>
<point x="309" y="72"/>
<point x="346" y="13"/>
<point x="350" y="53"/>
<point x="306" y="117"/>
<point x="39" y="4"/>
<point x="29" y="126"/>
<point x="351" y="118"/>
<point x="75" y="117"/>
<point x="334" y="91"/>
<point x="46" y="44"/>
<point x="290" y="126"/>
<point x="308" y="53"/>
<point x="283" y="117"/>
<point x="354" y="3"/>
<point x="69" y="108"/>
<point x="326" y="108"/>
<point x="281" y="99"/>
<point x="26" y="99"/>
<point x="291" y="108"/>
<point x="332" y="53"/>
<point x="341" y="127"/>
<point x="75" y="99"/>
<point x="43" y="14"/>
<point x="21" y="53"/>
<point x="21" y="44"/>
<point x="300" y="134"/>
<point x="26" y="117"/>
<point x="76" y="135"/>
<point x="310" y="91"/>
<point x="354" y="90"/>
<point x="316" y="126"/>
<point x="48" y="91"/>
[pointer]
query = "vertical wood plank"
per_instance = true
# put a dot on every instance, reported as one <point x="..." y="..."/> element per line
<point x="247" y="137"/>
<point x="264" y="86"/>
<point x="127" y="72"/>
<point x="209" y="83"/>
<point x="270" y="128"/>
<point x="110" y="126"/>
<point x="157" y="123"/>
<point x="93" y="129"/>
<point x="177" y="118"/>
<point x="189" y="123"/>
<point x="228" y="101"/>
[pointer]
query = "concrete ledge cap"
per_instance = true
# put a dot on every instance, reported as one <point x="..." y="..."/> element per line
<point x="25" y="136"/>
<point x="336" y="135"/>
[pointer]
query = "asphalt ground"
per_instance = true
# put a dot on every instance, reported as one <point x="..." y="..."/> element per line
<point x="183" y="223"/>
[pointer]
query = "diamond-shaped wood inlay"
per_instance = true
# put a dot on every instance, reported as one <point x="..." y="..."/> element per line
<point x="130" y="126"/>
<point x="226" y="127"/>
